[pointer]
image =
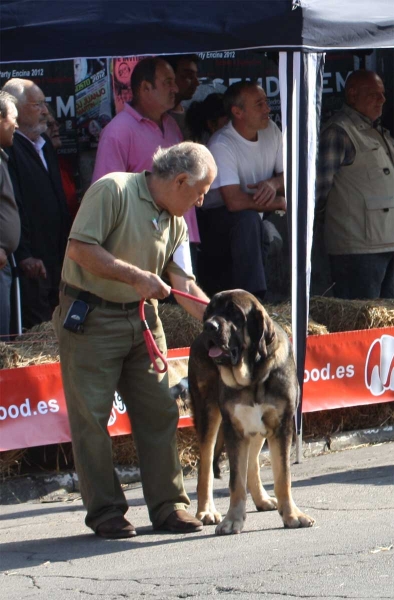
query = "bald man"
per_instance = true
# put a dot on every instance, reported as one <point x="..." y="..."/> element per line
<point x="355" y="192"/>
<point x="45" y="219"/>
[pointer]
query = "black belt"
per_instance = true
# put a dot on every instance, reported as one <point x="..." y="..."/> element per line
<point x="89" y="298"/>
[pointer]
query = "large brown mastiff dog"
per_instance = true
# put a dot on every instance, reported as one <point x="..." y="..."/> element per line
<point x="242" y="376"/>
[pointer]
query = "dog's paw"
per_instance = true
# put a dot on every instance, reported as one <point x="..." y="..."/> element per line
<point x="230" y="525"/>
<point x="209" y="517"/>
<point x="298" y="519"/>
<point x="269" y="503"/>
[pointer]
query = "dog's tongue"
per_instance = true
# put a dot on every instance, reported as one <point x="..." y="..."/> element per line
<point x="214" y="352"/>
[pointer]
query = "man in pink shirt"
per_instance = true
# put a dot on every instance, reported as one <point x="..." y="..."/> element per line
<point x="128" y="142"/>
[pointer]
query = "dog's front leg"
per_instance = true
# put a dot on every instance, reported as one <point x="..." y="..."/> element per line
<point x="261" y="498"/>
<point x="280" y="458"/>
<point x="206" y="510"/>
<point x="238" y="451"/>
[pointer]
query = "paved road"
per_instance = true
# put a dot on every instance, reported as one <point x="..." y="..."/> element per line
<point x="47" y="552"/>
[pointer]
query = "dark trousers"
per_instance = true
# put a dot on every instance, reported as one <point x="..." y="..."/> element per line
<point x="39" y="297"/>
<point x="232" y="251"/>
<point x="5" y="301"/>
<point x="363" y="276"/>
<point x="110" y="355"/>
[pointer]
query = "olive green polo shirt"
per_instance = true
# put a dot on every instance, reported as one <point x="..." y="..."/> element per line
<point x="119" y="213"/>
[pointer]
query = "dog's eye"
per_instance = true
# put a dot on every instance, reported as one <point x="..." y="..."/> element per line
<point x="236" y="314"/>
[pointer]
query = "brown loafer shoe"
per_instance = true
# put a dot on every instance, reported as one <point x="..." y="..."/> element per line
<point x="116" y="528"/>
<point x="180" y="521"/>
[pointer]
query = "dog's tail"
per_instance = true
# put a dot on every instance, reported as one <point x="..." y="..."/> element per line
<point x="219" y="448"/>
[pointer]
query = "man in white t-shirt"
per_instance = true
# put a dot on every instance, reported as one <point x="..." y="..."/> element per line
<point x="248" y="154"/>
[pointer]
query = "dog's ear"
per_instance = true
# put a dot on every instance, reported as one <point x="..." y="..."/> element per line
<point x="261" y="329"/>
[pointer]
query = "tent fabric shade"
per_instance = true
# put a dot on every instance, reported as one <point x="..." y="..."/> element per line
<point x="48" y="30"/>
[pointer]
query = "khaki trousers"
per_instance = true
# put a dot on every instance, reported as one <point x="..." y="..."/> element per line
<point x="111" y="355"/>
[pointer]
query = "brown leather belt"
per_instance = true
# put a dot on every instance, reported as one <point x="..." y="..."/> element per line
<point x="89" y="298"/>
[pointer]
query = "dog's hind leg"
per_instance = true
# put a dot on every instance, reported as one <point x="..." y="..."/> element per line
<point x="206" y="510"/>
<point x="260" y="496"/>
<point x="280" y="459"/>
<point x="219" y="448"/>
<point x="238" y="451"/>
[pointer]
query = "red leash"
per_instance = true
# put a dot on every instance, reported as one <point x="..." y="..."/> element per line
<point x="153" y="350"/>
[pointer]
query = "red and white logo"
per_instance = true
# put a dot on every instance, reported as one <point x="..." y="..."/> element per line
<point x="379" y="366"/>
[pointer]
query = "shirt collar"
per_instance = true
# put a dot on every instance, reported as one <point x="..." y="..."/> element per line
<point x="138" y="117"/>
<point x="39" y="143"/>
<point x="144" y="193"/>
<point x="4" y="155"/>
<point x="366" y="120"/>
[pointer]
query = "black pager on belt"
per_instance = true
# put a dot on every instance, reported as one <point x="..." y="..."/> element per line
<point x="76" y="316"/>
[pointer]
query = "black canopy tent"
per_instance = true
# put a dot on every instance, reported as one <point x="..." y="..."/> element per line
<point x="301" y="30"/>
<point x="47" y="29"/>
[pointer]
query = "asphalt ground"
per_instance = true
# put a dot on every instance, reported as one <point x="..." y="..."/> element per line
<point x="47" y="552"/>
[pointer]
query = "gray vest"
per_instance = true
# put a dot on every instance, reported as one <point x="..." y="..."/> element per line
<point x="360" y="206"/>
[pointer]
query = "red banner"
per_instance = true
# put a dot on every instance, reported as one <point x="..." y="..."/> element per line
<point x="341" y="369"/>
<point x="349" y="369"/>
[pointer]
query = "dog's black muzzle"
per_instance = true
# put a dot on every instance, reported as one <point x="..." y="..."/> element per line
<point x="218" y="346"/>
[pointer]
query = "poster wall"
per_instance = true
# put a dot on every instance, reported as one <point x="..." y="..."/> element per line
<point x="121" y="70"/>
<point x="92" y="100"/>
<point x="56" y="80"/>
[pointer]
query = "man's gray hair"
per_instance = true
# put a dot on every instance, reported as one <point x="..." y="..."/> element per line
<point x="17" y="88"/>
<point x="5" y="100"/>
<point x="187" y="157"/>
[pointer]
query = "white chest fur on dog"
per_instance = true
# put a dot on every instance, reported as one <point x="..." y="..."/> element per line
<point x="250" y="418"/>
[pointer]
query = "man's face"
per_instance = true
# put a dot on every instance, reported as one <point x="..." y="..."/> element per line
<point x="186" y="78"/>
<point x="33" y="113"/>
<point x="255" y="111"/>
<point x="367" y="97"/>
<point x="164" y="91"/>
<point x="54" y="131"/>
<point x="8" y="125"/>
<point x="186" y="196"/>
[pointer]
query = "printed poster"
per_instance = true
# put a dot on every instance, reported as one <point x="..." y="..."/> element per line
<point x="92" y="100"/>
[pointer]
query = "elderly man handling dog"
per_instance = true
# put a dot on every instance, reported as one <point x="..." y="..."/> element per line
<point x="128" y="233"/>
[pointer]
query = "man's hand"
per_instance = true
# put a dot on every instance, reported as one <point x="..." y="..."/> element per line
<point x="265" y="193"/>
<point x="3" y="258"/>
<point x="33" y="268"/>
<point x="148" y="285"/>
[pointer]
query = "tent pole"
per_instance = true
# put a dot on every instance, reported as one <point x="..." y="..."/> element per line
<point x="299" y="456"/>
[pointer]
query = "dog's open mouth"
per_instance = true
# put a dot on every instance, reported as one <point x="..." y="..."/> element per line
<point x="223" y="355"/>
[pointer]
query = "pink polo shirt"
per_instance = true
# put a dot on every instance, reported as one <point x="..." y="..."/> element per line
<point x="127" y="144"/>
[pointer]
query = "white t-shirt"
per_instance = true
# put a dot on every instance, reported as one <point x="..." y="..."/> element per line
<point x="240" y="161"/>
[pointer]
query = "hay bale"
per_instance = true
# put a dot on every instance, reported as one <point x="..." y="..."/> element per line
<point x="351" y="315"/>
<point x="124" y="451"/>
<point x="35" y="347"/>
<point x="179" y="327"/>
<point x="11" y="463"/>
<point x="327" y="422"/>
<point x="281" y="313"/>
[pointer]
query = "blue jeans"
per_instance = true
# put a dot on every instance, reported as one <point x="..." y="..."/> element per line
<point x="5" y="302"/>
<point x="363" y="276"/>
<point x="233" y="251"/>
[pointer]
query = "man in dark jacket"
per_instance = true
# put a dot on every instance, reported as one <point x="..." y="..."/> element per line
<point x="42" y="204"/>
<point x="10" y="226"/>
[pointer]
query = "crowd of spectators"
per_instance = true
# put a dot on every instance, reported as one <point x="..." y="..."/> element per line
<point x="231" y="236"/>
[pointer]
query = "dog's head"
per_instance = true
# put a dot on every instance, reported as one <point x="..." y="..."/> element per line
<point x="237" y="329"/>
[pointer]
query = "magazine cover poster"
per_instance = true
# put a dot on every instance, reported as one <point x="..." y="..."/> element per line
<point x="121" y="70"/>
<point x="92" y="99"/>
